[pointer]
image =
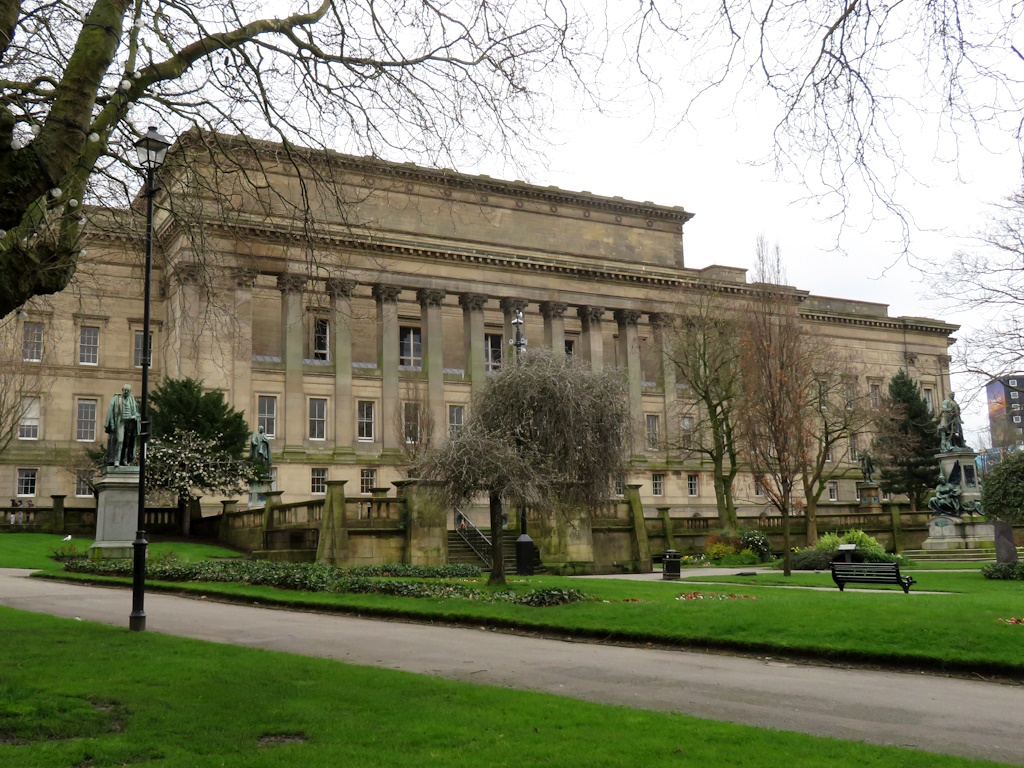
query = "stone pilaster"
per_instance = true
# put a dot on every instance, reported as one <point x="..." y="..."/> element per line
<point x="553" y="313"/>
<point x="473" y="335"/>
<point x="386" y="297"/>
<point x="186" y="310"/>
<point x="292" y="346"/>
<point x="340" y="291"/>
<point x="661" y="324"/>
<point x="629" y="357"/>
<point x="241" y="371"/>
<point x="593" y="337"/>
<point x="433" y="357"/>
<point x="509" y="307"/>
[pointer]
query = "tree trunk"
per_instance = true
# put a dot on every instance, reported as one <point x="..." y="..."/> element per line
<point x="726" y="506"/>
<point x="787" y="553"/>
<point x="497" y="542"/>
<point x="812" y="520"/>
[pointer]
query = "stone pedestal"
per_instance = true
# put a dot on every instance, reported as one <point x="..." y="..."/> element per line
<point x="979" y="533"/>
<point x="870" y="494"/>
<point x="117" y="513"/>
<point x="945" y="532"/>
<point x="258" y="495"/>
<point x="970" y="489"/>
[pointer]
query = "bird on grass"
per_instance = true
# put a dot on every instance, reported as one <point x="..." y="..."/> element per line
<point x="67" y="538"/>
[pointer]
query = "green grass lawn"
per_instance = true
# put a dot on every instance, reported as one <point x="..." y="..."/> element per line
<point x="34" y="550"/>
<point x="81" y="694"/>
<point x="957" y="629"/>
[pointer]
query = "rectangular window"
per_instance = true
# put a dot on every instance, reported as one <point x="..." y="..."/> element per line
<point x="851" y="395"/>
<point x="1013" y="382"/>
<point x="886" y="496"/>
<point x="89" y="345"/>
<point x="854" y="448"/>
<point x="828" y="453"/>
<point x="318" y="480"/>
<point x="686" y="431"/>
<point x="321" y="339"/>
<point x="273" y="478"/>
<point x="1016" y="419"/>
<point x="1014" y="406"/>
<point x="1014" y="395"/>
<point x="364" y="420"/>
<point x="693" y="485"/>
<point x="758" y="486"/>
<point x="32" y="343"/>
<point x="929" y="399"/>
<point x="410" y="347"/>
<point x="317" y="418"/>
<point x="492" y="352"/>
<point x="570" y="347"/>
<point x="456" y="418"/>
<point x="876" y="395"/>
<point x="653" y="436"/>
<point x="620" y="487"/>
<point x="85" y="420"/>
<point x="27" y="482"/>
<point x="267" y="414"/>
<point x="367" y="481"/>
<point x="411" y="422"/>
<point x="658" y="485"/>
<point x="137" y="356"/>
<point x="28" y="425"/>
<point x="833" y="490"/>
<point x="83" y="483"/>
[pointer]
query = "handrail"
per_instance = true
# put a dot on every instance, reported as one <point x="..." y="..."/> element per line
<point x="466" y="529"/>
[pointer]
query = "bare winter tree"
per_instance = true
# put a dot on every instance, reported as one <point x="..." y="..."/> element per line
<point x="23" y="379"/>
<point x="440" y="79"/>
<point x="844" y="75"/>
<point x="705" y="349"/>
<point x="546" y="430"/>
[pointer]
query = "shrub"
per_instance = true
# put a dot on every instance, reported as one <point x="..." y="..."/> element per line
<point x="1004" y="571"/>
<point x="718" y="550"/>
<point x="864" y="543"/>
<point x="757" y="542"/>
<point x="746" y="557"/>
<point x="811" y="560"/>
<point x="828" y="542"/>
<point x="541" y="598"/>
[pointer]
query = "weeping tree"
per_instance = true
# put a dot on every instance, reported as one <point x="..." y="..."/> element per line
<point x="545" y="430"/>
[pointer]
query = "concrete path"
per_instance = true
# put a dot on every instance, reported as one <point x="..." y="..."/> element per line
<point x="960" y="717"/>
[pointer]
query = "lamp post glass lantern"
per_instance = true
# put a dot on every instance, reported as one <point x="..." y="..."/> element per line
<point x="151" y="149"/>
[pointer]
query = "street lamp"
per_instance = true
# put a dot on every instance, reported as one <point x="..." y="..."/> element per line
<point x="524" y="544"/>
<point x="151" y="149"/>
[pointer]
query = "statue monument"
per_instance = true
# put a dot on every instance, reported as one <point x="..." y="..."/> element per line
<point x="261" y="457"/>
<point x="122" y="427"/>
<point x="951" y="425"/>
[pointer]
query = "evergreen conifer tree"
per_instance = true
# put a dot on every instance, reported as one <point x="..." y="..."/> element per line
<point x="907" y="441"/>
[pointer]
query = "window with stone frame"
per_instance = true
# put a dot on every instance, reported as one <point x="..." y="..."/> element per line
<point x="85" y="419"/>
<point x="367" y="481"/>
<point x="570" y="347"/>
<point x="318" y="481"/>
<point x="321" y="339"/>
<point x="83" y="483"/>
<point x="833" y="490"/>
<point x="267" y="414"/>
<point x="492" y="352"/>
<point x="657" y="484"/>
<point x="364" y="421"/>
<point x="317" y="418"/>
<point x="653" y="424"/>
<point x="410" y="347"/>
<point x="139" y="351"/>
<point x="28" y="424"/>
<point x="32" y="342"/>
<point x="411" y="422"/>
<point x="693" y="485"/>
<point x="88" y="345"/>
<point x="27" y="477"/>
<point x="456" y="418"/>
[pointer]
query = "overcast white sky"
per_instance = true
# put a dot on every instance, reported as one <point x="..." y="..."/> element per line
<point x="706" y="166"/>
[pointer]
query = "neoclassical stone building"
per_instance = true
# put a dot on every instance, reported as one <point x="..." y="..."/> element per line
<point x="351" y="307"/>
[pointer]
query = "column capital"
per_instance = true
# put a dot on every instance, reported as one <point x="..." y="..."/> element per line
<point x="659" y="320"/>
<point x="589" y="314"/>
<point x="472" y="301"/>
<point x="243" y="277"/>
<point x="188" y="273"/>
<point x="511" y="306"/>
<point x="428" y="297"/>
<point x="550" y="309"/>
<point x="627" y="316"/>
<point x="386" y="293"/>
<point x="287" y="283"/>
<point x="340" y="287"/>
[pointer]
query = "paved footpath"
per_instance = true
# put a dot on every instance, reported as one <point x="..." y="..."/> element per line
<point x="961" y="717"/>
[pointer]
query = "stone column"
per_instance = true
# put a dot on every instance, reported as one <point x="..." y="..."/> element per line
<point x="433" y="357"/>
<point x="554" y="324"/>
<point x="473" y="336"/>
<point x="185" y="310"/>
<point x="629" y="356"/>
<point x="661" y="324"/>
<point x="593" y="338"/>
<point x="241" y="373"/>
<point x="387" y="362"/>
<point x="340" y="291"/>
<point x="292" y="346"/>
<point x="509" y="307"/>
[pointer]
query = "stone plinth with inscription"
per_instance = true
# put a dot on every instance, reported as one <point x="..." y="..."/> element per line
<point x="117" y="513"/>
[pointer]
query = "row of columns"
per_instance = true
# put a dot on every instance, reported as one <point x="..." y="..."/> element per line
<point x="386" y="297"/>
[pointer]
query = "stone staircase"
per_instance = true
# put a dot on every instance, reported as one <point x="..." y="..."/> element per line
<point x="980" y="555"/>
<point x="460" y="552"/>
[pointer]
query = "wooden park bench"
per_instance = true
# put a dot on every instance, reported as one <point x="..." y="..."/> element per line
<point x="869" y="573"/>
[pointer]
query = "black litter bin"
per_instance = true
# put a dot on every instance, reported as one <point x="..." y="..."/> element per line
<point x="670" y="564"/>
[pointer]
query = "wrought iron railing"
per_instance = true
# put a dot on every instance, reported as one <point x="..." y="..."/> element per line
<point x="474" y="538"/>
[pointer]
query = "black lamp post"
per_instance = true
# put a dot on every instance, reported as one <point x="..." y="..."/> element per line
<point x="524" y="544"/>
<point x="151" y="148"/>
